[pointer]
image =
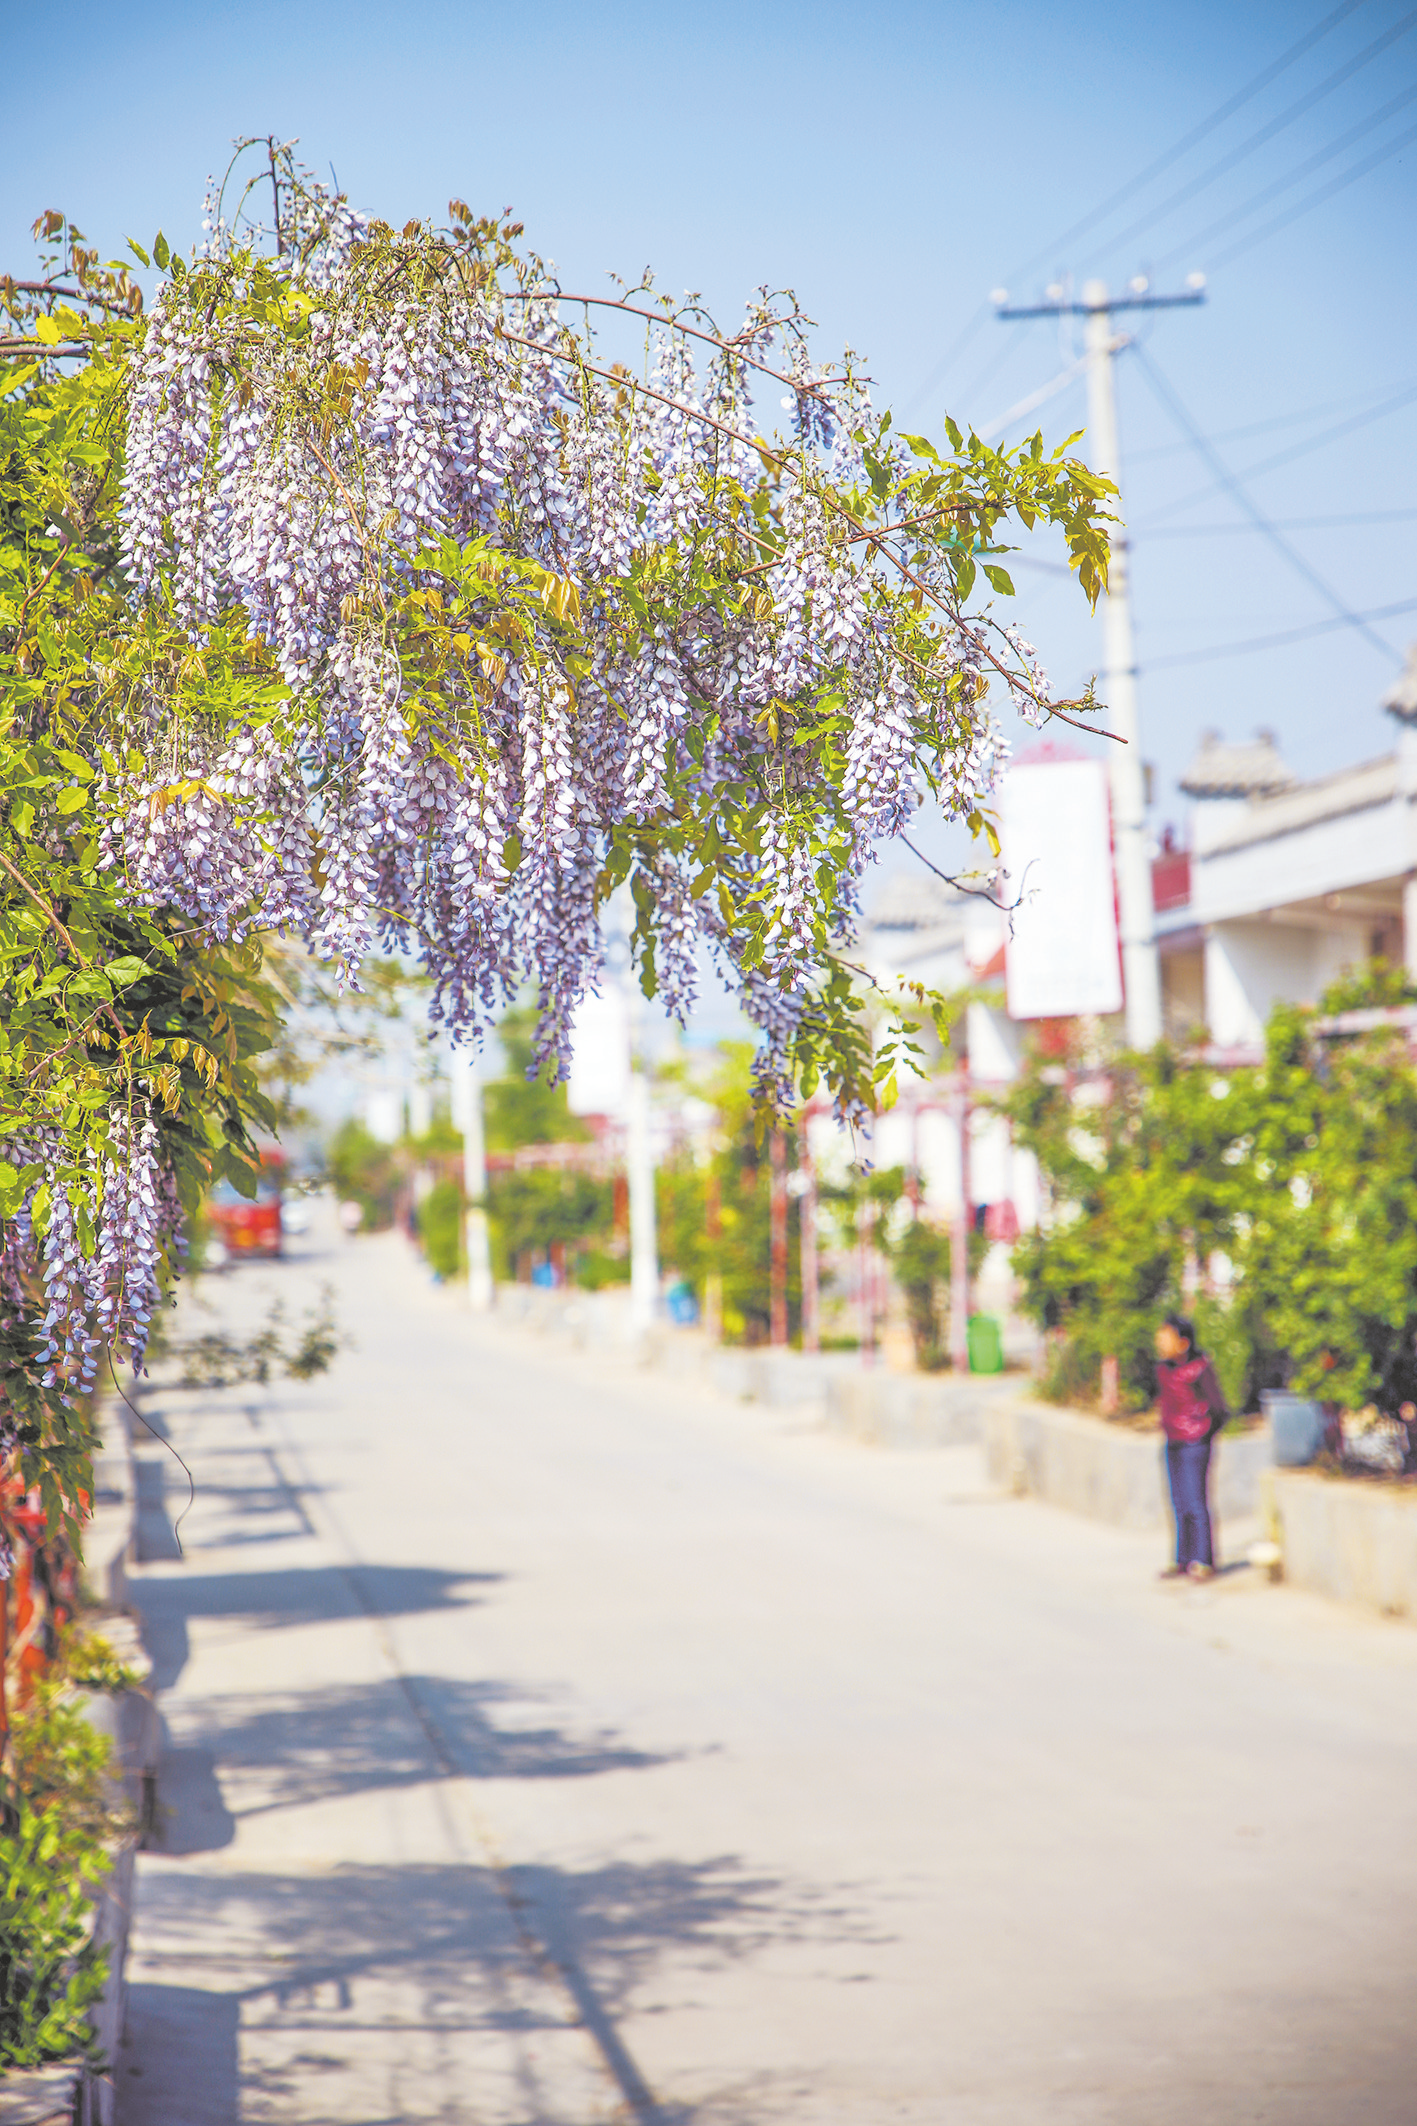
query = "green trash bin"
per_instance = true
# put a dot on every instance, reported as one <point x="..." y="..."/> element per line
<point x="986" y="1344"/>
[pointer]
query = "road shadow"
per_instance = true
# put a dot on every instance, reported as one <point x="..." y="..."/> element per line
<point x="192" y="1815"/>
<point x="370" y="1954"/>
<point x="288" y="1751"/>
<point x="154" y="1537"/>
<point x="178" y="2063"/>
<point x="298" y="1594"/>
<point x="235" y="1514"/>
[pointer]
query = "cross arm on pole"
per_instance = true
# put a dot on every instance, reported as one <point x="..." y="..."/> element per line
<point x="1061" y="308"/>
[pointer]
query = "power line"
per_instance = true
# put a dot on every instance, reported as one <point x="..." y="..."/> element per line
<point x="1189" y="140"/>
<point x="1274" y="642"/>
<point x="1211" y="531"/>
<point x="1207" y="451"/>
<point x="947" y="361"/>
<point x="994" y="365"/>
<point x="1128" y="191"/>
<point x="1299" y="450"/>
<point x="1316" y="199"/>
<point x="1267" y="131"/>
<point x="1281" y="184"/>
<point x="1257" y="428"/>
<point x="1033" y="399"/>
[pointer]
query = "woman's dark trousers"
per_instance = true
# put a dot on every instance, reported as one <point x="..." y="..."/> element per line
<point x="1188" y="1466"/>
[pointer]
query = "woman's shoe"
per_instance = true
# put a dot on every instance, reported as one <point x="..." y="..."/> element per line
<point x="1200" y="1572"/>
<point x="1173" y="1572"/>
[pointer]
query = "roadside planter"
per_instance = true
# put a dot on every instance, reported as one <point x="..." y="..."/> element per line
<point x="40" y="2096"/>
<point x="1355" y="1541"/>
<point x="912" y="1409"/>
<point x="1107" y="1471"/>
<point x="67" y="2093"/>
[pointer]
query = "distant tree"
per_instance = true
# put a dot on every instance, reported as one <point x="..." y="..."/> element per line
<point x="527" y="1104"/>
<point x="1301" y="1173"/>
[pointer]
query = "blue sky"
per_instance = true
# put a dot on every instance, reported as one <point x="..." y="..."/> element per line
<point x="893" y="165"/>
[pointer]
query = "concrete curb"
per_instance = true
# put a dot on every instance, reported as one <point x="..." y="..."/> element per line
<point x="1353" y="1541"/>
<point x="131" y="1719"/>
<point x="38" y="2096"/>
<point x="108" y="1539"/>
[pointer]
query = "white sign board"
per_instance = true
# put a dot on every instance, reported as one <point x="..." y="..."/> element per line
<point x="1062" y="959"/>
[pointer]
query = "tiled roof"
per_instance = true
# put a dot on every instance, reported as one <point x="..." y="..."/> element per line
<point x="1372" y="782"/>
<point x="916" y="903"/>
<point x="1252" y="768"/>
<point x="1401" y="700"/>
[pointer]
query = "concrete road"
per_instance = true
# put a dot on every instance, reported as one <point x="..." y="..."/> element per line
<point x="551" y="1743"/>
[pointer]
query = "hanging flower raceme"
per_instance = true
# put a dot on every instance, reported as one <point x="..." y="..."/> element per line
<point x="502" y="620"/>
<point x="95" y="1243"/>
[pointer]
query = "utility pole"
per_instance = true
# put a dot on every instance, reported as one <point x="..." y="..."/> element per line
<point x="467" y="1097"/>
<point x="777" y="1235"/>
<point x="639" y="1161"/>
<point x="962" y="1224"/>
<point x="1141" y="967"/>
<point x="807" y="1231"/>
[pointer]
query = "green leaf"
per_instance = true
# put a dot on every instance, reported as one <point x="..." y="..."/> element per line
<point x="964" y="575"/>
<point x="73" y="799"/>
<point x="22" y="817"/>
<point x="1000" y="579"/>
<point x="76" y="764"/>
<point x="161" y="252"/>
<point x="138" y="251"/>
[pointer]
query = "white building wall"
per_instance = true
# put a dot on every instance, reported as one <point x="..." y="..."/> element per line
<point x="1324" y="856"/>
<point x="995" y="1045"/>
<point x="893" y="1138"/>
<point x="938" y="1142"/>
<point x="384" y="1113"/>
<point x="991" y="1159"/>
<point x="1248" y="967"/>
<point x="1334" y="952"/>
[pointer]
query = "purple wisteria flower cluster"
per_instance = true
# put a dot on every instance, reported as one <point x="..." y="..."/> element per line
<point x="100" y="1298"/>
<point x="533" y="617"/>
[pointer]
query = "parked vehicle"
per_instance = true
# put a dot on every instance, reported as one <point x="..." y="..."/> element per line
<point x="248" y="1225"/>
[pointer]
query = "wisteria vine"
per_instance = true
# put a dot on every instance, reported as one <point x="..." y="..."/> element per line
<point x="541" y="624"/>
<point x="444" y="602"/>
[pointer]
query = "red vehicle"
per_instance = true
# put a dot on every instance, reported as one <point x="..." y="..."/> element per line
<point x="249" y="1225"/>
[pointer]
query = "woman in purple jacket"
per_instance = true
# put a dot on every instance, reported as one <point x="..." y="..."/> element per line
<point x="1192" y="1412"/>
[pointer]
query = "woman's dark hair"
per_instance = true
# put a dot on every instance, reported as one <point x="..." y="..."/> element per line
<point x="1183" y="1328"/>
